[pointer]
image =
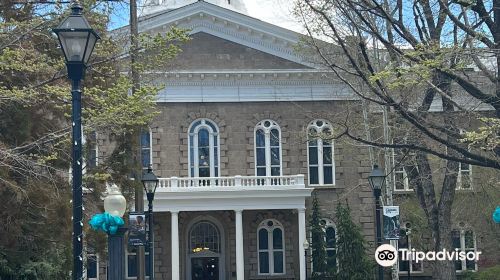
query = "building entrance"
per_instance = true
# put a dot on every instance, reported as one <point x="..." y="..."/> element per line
<point x="205" y="268"/>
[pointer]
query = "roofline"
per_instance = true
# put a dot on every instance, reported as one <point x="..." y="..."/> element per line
<point x="212" y="9"/>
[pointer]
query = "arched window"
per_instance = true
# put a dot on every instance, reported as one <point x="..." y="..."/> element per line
<point x="320" y="153"/>
<point x="203" y="149"/>
<point x="330" y="243"/>
<point x="204" y="237"/>
<point x="267" y="149"/>
<point x="146" y="148"/>
<point x="331" y="240"/>
<point x="271" y="248"/>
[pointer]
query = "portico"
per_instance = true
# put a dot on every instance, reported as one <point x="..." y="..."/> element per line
<point x="235" y="194"/>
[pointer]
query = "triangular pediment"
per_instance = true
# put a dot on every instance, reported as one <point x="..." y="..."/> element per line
<point x="204" y="18"/>
<point x="208" y="52"/>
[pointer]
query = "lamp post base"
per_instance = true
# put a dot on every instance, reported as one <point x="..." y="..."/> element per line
<point x="116" y="255"/>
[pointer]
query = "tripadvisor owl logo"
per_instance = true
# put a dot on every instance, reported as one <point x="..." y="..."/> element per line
<point x="386" y="255"/>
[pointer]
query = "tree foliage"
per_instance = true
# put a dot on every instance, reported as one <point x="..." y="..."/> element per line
<point x="318" y="244"/>
<point x="35" y="128"/>
<point x="432" y="69"/>
<point x="352" y="260"/>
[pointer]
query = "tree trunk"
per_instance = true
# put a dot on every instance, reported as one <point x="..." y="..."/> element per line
<point x="443" y="270"/>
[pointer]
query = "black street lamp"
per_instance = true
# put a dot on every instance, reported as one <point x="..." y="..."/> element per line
<point x="150" y="182"/>
<point x="77" y="40"/>
<point x="377" y="181"/>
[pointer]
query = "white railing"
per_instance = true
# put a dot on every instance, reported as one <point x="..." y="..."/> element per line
<point x="232" y="182"/>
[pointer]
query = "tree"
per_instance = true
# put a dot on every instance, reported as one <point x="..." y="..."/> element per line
<point x="352" y="260"/>
<point x="318" y="244"/>
<point x="405" y="57"/>
<point x="35" y="206"/>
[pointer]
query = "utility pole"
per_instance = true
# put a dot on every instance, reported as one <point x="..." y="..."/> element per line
<point x="139" y="201"/>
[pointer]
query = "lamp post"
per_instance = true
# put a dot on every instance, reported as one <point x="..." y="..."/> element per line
<point x="407" y="234"/>
<point x="306" y="248"/>
<point x="377" y="181"/>
<point x="77" y="40"/>
<point x="150" y="182"/>
<point x="115" y="204"/>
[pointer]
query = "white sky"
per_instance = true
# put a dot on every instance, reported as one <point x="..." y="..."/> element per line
<point x="278" y="12"/>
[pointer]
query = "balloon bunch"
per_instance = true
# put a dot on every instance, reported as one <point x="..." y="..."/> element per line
<point x="496" y="215"/>
<point x="106" y="222"/>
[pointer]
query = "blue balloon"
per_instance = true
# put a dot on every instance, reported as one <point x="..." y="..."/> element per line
<point x="496" y="215"/>
<point x="106" y="223"/>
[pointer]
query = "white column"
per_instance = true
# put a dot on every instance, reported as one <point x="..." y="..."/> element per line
<point x="302" y="238"/>
<point x="175" y="245"/>
<point x="240" y="259"/>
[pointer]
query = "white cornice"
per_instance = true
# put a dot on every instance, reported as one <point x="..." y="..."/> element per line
<point x="205" y="200"/>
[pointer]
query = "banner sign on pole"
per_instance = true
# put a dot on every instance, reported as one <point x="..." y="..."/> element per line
<point x="391" y="222"/>
<point x="137" y="229"/>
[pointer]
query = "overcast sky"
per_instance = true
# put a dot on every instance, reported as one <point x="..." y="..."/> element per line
<point x="277" y="12"/>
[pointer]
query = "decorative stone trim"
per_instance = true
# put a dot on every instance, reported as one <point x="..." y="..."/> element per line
<point x="184" y="140"/>
<point x="251" y="141"/>
<point x="289" y="225"/>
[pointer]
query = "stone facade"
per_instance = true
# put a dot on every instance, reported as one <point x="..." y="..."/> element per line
<point x="216" y="62"/>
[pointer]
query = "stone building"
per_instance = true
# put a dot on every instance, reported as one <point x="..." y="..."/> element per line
<point x="231" y="148"/>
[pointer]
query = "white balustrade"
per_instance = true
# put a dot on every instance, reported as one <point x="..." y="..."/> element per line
<point x="235" y="182"/>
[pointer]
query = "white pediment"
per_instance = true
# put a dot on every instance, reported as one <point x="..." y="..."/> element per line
<point x="226" y="24"/>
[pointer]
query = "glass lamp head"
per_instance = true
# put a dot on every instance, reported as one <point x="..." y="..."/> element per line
<point x="150" y="181"/>
<point x="376" y="178"/>
<point x="115" y="203"/>
<point x="76" y="36"/>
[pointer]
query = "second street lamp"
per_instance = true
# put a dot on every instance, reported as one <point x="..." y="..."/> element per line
<point x="115" y="204"/>
<point x="77" y="40"/>
<point x="150" y="182"/>
<point x="377" y="181"/>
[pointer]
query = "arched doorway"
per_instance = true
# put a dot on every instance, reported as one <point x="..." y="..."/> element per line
<point x="205" y="258"/>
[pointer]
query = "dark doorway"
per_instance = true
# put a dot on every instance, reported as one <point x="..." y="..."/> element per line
<point x="205" y="268"/>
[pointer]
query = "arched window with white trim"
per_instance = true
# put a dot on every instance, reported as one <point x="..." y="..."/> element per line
<point x="267" y="148"/>
<point x="146" y="148"/>
<point x="320" y="153"/>
<point x="271" y="247"/>
<point x="203" y="149"/>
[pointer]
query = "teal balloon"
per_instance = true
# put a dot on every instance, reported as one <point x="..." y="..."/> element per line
<point x="106" y="223"/>
<point x="496" y="215"/>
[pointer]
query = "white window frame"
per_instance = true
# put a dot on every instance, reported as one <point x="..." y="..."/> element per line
<point x="267" y="146"/>
<point x="410" y="262"/>
<point x="213" y="161"/>
<point x="320" y="165"/>
<point x="126" y="264"/>
<point x="270" y="249"/>
<point x="464" y="249"/>
<point x="460" y="177"/>
<point x="150" y="148"/>
<point x="400" y="169"/>
<point x="97" y="264"/>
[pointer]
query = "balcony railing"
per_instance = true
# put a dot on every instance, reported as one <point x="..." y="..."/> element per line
<point x="242" y="182"/>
